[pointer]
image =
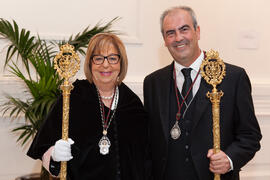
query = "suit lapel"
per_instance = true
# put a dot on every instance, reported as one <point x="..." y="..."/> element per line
<point x="202" y="102"/>
<point x="164" y="103"/>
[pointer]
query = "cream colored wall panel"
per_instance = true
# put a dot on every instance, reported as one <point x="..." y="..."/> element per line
<point x="140" y="23"/>
<point x="14" y="161"/>
<point x="261" y="97"/>
<point x="59" y="19"/>
<point x="259" y="167"/>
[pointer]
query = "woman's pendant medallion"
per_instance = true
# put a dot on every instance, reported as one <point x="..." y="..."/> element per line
<point x="175" y="131"/>
<point x="104" y="145"/>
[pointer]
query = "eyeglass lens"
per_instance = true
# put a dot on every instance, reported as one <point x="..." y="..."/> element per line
<point x="112" y="59"/>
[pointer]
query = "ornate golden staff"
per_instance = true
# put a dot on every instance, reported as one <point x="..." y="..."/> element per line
<point x="67" y="63"/>
<point x="213" y="71"/>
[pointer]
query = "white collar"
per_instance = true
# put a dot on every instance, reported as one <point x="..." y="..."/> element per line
<point x="195" y="65"/>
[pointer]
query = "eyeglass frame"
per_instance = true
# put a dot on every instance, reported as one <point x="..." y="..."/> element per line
<point x="105" y="57"/>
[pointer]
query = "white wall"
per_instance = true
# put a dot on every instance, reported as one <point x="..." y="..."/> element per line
<point x="239" y="30"/>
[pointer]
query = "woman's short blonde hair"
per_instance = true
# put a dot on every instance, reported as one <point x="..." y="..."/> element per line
<point x="100" y="42"/>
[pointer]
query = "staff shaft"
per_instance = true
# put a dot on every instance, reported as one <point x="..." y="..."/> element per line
<point x="66" y="88"/>
<point x="216" y="132"/>
<point x="215" y="99"/>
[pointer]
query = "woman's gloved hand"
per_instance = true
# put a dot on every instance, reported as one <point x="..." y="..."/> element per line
<point x="62" y="150"/>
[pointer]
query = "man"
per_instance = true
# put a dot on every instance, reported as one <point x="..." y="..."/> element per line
<point x="180" y="125"/>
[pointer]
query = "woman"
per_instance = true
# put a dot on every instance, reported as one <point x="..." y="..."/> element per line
<point x="107" y="123"/>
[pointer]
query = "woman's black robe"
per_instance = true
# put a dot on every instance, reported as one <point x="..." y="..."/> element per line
<point x="127" y="134"/>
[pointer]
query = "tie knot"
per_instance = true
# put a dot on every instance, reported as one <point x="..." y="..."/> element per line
<point x="186" y="72"/>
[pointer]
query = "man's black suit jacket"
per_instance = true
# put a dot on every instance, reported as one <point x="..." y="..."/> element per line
<point x="239" y="129"/>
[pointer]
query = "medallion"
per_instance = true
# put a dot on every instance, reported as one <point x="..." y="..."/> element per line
<point x="104" y="145"/>
<point x="175" y="131"/>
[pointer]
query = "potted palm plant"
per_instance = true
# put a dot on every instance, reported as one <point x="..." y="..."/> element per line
<point x="37" y="73"/>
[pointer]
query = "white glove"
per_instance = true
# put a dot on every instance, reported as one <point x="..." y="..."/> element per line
<point x="62" y="150"/>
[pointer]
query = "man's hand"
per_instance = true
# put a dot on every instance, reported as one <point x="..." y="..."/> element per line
<point x="219" y="162"/>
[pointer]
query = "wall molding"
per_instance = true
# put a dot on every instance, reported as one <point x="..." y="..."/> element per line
<point x="127" y="39"/>
<point x="258" y="171"/>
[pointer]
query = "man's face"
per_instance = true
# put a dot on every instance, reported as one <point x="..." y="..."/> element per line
<point x="180" y="37"/>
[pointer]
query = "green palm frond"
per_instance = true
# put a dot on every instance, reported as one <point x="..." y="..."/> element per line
<point x="21" y="42"/>
<point x="27" y="132"/>
<point x="81" y="40"/>
<point x="14" y="106"/>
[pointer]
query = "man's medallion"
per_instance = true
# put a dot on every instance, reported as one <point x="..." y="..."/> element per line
<point x="175" y="131"/>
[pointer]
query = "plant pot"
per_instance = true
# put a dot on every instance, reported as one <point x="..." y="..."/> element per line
<point x="34" y="176"/>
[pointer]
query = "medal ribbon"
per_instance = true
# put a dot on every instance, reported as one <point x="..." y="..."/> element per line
<point x="178" y="114"/>
<point x="106" y="118"/>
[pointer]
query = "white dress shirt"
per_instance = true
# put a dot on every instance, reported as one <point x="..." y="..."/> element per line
<point x="195" y="69"/>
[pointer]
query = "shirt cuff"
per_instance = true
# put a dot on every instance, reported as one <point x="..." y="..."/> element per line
<point x="231" y="163"/>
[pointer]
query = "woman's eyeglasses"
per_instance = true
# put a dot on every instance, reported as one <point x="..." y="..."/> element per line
<point x="112" y="59"/>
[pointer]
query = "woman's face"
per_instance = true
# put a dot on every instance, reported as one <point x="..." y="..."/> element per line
<point x="106" y="73"/>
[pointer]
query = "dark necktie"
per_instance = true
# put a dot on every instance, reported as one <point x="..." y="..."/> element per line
<point x="187" y="84"/>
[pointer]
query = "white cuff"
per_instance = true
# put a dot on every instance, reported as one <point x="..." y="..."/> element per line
<point x="231" y="163"/>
